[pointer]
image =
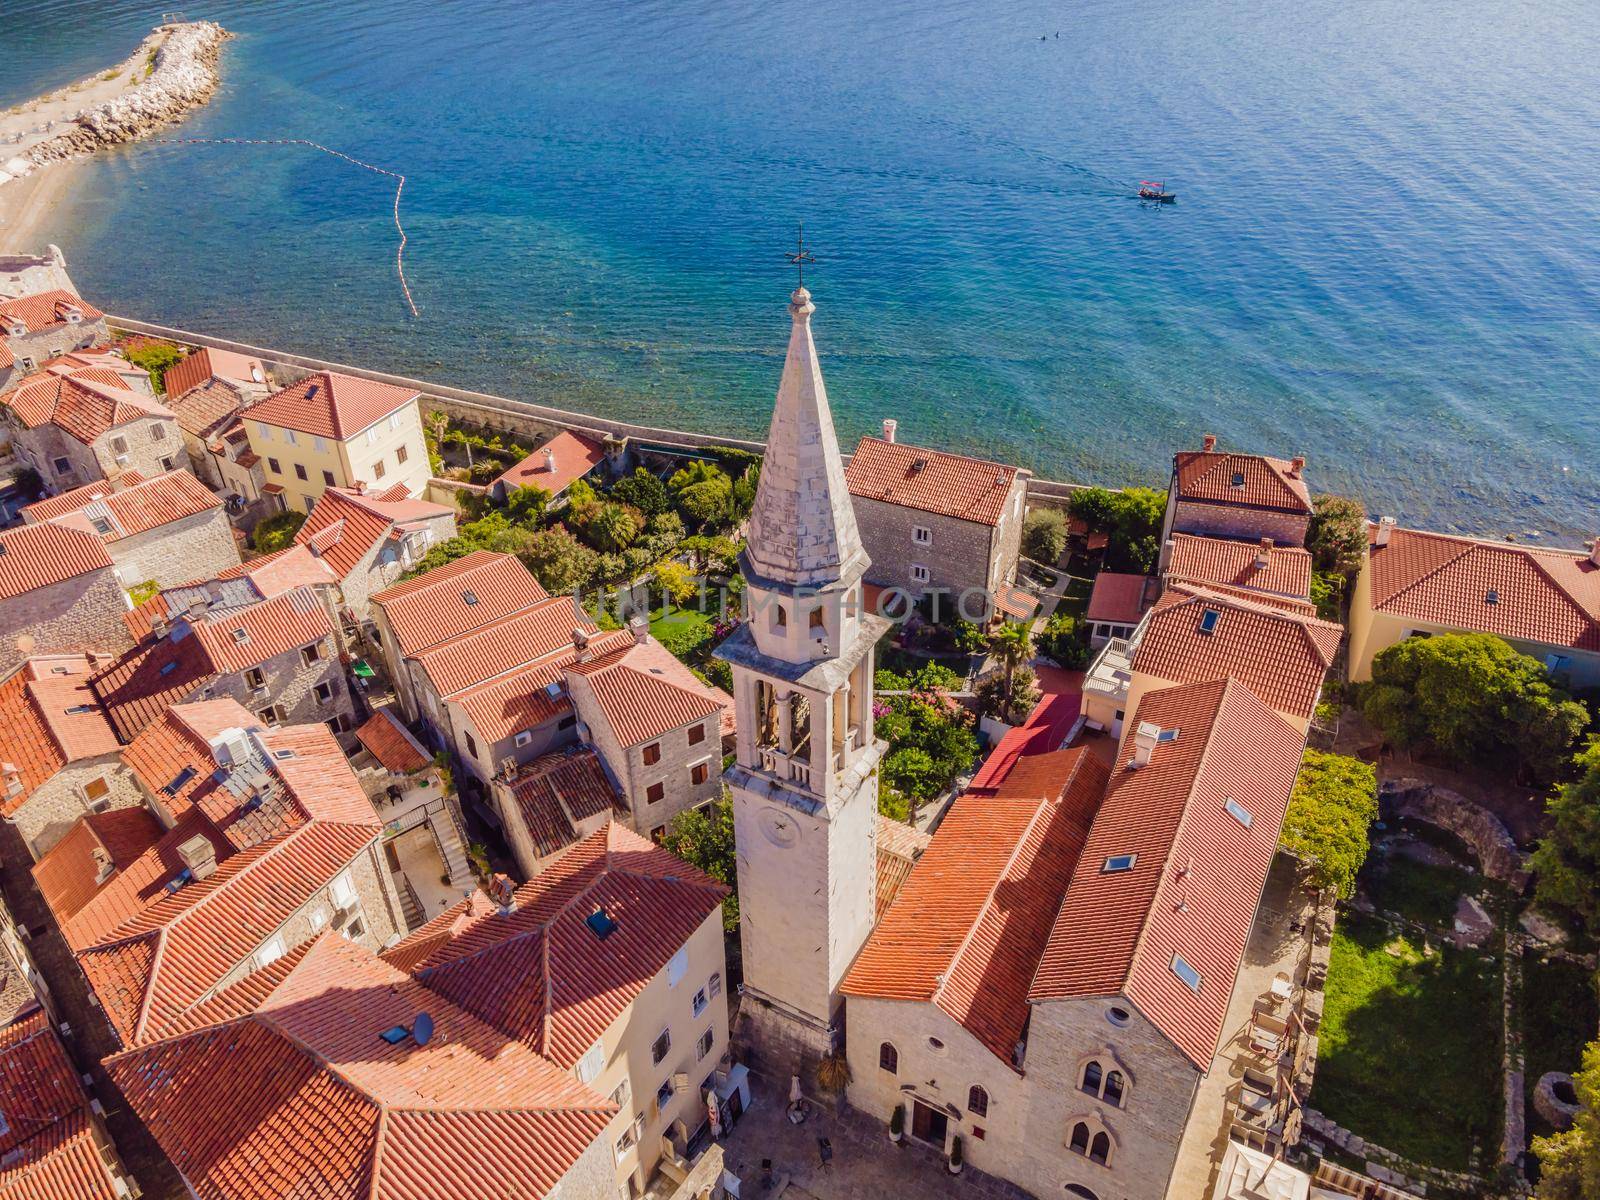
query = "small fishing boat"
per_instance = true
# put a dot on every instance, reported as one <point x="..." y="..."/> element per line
<point x="1156" y="191"/>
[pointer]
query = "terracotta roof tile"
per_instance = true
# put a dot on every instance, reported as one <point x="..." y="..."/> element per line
<point x="1197" y="872"/>
<point x="435" y="607"/>
<point x="42" y="310"/>
<point x="1207" y="561"/>
<point x="555" y="793"/>
<point x="971" y="924"/>
<point x="47" y="1151"/>
<point x="644" y="692"/>
<point x="135" y="508"/>
<point x="297" y="1095"/>
<point x="1250" y="480"/>
<point x="62" y="1163"/>
<point x="67" y="874"/>
<point x="39" y="731"/>
<point x="392" y="744"/>
<point x="899" y="847"/>
<point x="1120" y="598"/>
<point x="331" y="405"/>
<point x="1280" y="655"/>
<point x="1547" y="596"/>
<point x="930" y="480"/>
<point x="345" y="526"/>
<point x="36" y="556"/>
<point x="538" y="973"/>
<point x="532" y="634"/>
<point x="575" y="455"/>
<point x="203" y="364"/>
<point x="84" y="405"/>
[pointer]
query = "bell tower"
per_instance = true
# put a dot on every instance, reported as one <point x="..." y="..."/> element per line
<point x="805" y="783"/>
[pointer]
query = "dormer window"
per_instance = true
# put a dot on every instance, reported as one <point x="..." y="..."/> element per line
<point x="1491" y="597"/>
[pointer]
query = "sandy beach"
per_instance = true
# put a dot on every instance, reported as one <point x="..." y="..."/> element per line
<point x="31" y="208"/>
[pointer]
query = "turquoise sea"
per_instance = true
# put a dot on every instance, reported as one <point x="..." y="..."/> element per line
<point x="1384" y="253"/>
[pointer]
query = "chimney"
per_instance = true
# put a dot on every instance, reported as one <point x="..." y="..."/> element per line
<point x="199" y="855"/>
<point x="889" y="426"/>
<point x="159" y="625"/>
<point x="549" y="460"/>
<point x="1297" y="466"/>
<point x="198" y="606"/>
<point x="1594" y="552"/>
<point x="580" y="643"/>
<point x="502" y="891"/>
<point x="104" y="868"/>
<point x="360" y="487"/>
<point x="1385" y="528"/>
<point x="640" y="629"/>
<point x="214" y="590"/>
<point x="1145" y="738"/>
<point x="1209" y="444"/>
<point x="1263" y="554"/>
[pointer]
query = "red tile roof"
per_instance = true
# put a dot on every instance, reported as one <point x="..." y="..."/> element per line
<point x="47" y="1151"/>
<point x="532" y="634"/>
<point x="67" y="874"/>
<point x="392" y="744"/>
<point x="899" y="848"/>
<point x="930" y="480"/>
<point x="433" y="608"/>
<point x="331" y="405"/>
<point x="1269" y="483"/>
<point x="969" y="927"/>
<point x="36" y="556"/>
<point x="1120" y="599"/>
<point x="203" y="410"/>
<point x="289" y="1090"/>
<point x="538" y="973"/>
<point x="1197" y="873"/>
<point x="345" y="526"/>
<point x="84" y="405"/>
<point x="556" y="792"/>
<point x="1208" y="561"/>
<point x="1280" y="655"/>
<point x="644" y="692"/>
<point x="576" y="455"/>
<point x="1546" y="596"/>
<point x="43" y="310"/>
<point x="39" y="732"/>
<point x="134" y="508"/>
<point x="179" y="741"/>
<point x="204" y="363"/>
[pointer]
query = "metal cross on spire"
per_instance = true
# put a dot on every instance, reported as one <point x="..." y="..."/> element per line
<point x="800" y="256"/>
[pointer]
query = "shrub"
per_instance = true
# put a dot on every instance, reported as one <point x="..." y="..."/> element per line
<point x="1335" y="801"/>
<point x="1567" y="861"/>
<point x="140" y="592"/>
<point x="1569" y="1163"/>
<point x="1337" y="535"/>
<point x="277" y="531"/>
<point x="28" y="483"/>
<point x="676" y="582"/>
<point x="527" y="505"/>
<point x="154" y="358"/>
<point x="702" y="493"/>
<point x="1063" y="640"/>
<point x="559" y="561"/>
<point x="643" y="491"/>
<point x="1044" y="535"/>
<point x="1093" y="506"/>
<point x="611" y="528"/>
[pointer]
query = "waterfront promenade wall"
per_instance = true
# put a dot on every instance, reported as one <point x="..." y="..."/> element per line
<point x="525" y="419"/>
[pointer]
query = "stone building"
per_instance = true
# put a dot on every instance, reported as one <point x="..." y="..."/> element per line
<point x="369" y="539"/>
<point x="59" y="757"/>
<point x="610" y="965"/>
<point x="86" y="426"/>
<point x="1415" y="584"/>
<point x="937" y="522"/>
<point x="164" y="530"/>
<point x="323" y="1067"/>
<point x="43" y="325"/>
<point x="270" y="830"/>
<point x="214" y="437"/>
<point x="278" y="657"/>
<point x="205" y="364"/>
<point x="59" y="593"/>
<point x="332" y="430"/>
<point x="805" y="783"/>
<point x="1243" y="497"/>
<point x="1260" y="570"/>
<point x="1052" y="981"/>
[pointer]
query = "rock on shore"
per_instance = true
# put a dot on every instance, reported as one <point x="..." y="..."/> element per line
<point x="183" y="75"/>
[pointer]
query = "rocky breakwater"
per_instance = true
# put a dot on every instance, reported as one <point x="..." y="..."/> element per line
<point x="181" y="75"/>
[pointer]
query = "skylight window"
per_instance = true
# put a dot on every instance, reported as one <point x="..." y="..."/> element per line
<point x="1117" y="863"/>
<point x="1238" y="479"/>
<point x="178" y="780"/>
<point x="1491" y="597"/>
<point x="1238" y="812"/>
<point x="600" y="922"/>
<point x="1168" y="735"/>
<point x="80" y="709"/>
<point x="167" y="668"/>
<point x="469" y="598"/>
<point x="1209" y="619"/>
<point x="239" y="635"/>
<point x="1185" y="973"/>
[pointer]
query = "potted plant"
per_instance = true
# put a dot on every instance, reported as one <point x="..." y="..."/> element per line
<point x="955" y="1155"/>
<point x="897" y="1124"/>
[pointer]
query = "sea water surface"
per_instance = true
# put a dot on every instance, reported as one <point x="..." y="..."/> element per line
<point x="1383" y="256"/>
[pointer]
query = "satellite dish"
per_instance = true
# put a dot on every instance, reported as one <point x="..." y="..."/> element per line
<point x="422" y="1029"/>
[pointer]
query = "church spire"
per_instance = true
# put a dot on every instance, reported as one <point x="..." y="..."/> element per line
<point x="803" y="526"/>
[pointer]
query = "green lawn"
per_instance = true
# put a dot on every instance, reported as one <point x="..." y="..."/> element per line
<point x="1424" y="892"/>
<point x="1409" y="1050"/>
<point x="1559" y="1013"/>
<point x="684" y="631"/>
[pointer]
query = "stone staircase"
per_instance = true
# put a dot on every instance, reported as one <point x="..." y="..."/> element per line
<point x="410" y="906"/>
<point x="448" y="835"/>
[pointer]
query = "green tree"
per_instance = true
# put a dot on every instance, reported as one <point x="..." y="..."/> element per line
<point x="611" y="528"/>
<point x="1335" y="800"/>
<point x="743" y="497"/>
<point x="1337" y="535"/>
<point x="702" y="492"/>
<point x="527" y="505"/>
<point x="643" y="491"/>
<point x="559" y="561"/>
<point x="1063" y="640"/>
<point x="1012" y="647"/>
<point x="913" y="773"/>
<point x="1135" y="529"/>
<point x="28" y="483"/>
<point x="703" y="838"/>
<point x="1093" y="506"/>
<point x="1566" y="863"/>
<point x="1477" y="701"/>
<point x="1569" y="1163"/>
<point x="277" y="531"/>
<point x="711" y="555"/>
<point x="934" y="724"/>
<point x="1044" y="535"/>
<point x="154" y="358"/>
<point x="675" y="582"/>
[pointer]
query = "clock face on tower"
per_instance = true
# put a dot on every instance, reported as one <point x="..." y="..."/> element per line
<point x="780" y="828"/>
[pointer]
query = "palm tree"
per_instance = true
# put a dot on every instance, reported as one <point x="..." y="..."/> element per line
<point x="1012" y="644"/>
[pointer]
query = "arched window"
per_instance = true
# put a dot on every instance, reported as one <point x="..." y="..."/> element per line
<point x="1083" y="1193"/>
<point x="1092" y="1076"/>
<point x="1113" y="1088"/>
<point x="1100" y="1149"/>
<point x="977" y="1101"/>
<point x="1079" y="1143"/>
<point x="889" y="1058"/>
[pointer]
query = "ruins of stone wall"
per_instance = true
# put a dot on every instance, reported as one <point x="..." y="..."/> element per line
<point x="1482" y="832"/>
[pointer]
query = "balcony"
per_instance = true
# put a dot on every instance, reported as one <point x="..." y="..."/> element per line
<point x="795" y="768"/>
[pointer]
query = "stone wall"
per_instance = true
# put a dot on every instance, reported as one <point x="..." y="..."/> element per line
<point x="1237" y="521"/>
<point x="291" y="687"/>
<point x="56" y="804"/>
<point x="1482" y="832"/>
<point x="154" y="447"/>
<point x="55" y="340"/>
<point x="77" y="614"/>
<point x="197" y="547"/>
<point x="957" y="559"/>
